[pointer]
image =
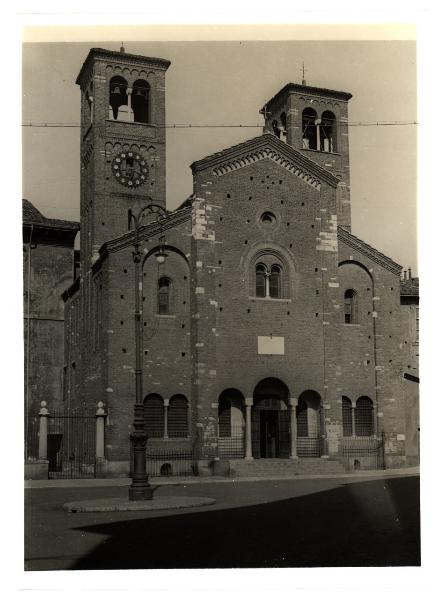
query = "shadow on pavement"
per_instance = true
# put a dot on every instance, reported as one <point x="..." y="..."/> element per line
<point x="374" y="523"/>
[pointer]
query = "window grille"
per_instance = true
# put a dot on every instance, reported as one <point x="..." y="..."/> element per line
<point x="224" y="418"/>
<point x="177" y="421"/>
<point x="347" y="417"/>
<point x="302" y="420"/>
<point x="350" y="300"/>
<point x="164" y="285"/>
<point x="364" y="417"/>
<point x="154" y="416"/>
<point x="260" y="281"/>
<point x="275" y="282"/>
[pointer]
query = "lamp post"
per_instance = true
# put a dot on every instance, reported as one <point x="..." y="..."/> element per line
<point x="140" y="488"/>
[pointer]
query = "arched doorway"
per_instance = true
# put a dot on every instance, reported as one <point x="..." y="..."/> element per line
<point x="270" y="419"/>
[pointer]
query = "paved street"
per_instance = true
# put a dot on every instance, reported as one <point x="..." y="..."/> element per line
<point x="286" y="523"/>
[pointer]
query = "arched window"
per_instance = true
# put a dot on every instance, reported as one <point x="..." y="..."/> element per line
<point x="346" y="406"/>
<point x="140" y="99"/>
<point x="177" y="421"/>
<point x="260" y="272"/>
<point x="351" y="313"/>
<point x="164" y="289"/>
<point x="328" y="132"/>
<point x="302" y="420"/>
<point x="118" y="96"/>
<point x="309" y="126"/>
<point x="275" y="282"/>
<point x="364" y="417"/>
<point x="224" y="418"/>
<point x="154" y="416"/>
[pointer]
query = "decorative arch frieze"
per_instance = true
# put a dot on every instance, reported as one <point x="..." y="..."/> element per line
<point x="270" y="154"/>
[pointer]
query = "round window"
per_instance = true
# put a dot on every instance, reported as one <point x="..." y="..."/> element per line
<point x="268" y="219"/>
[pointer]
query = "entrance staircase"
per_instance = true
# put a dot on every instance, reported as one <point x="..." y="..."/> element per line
<point x="270" y="467"/>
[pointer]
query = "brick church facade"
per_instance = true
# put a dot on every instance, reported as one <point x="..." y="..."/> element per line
<point x="270" y="330"/>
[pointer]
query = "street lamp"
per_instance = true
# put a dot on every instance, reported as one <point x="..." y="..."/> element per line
<point x="139" y="488"/>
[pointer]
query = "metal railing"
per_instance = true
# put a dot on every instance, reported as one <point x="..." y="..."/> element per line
<point x="363" y="453"/>
<point x="232" y="446"/>
<point x="170" y="463"/>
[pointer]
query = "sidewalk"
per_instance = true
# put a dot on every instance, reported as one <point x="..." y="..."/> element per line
<point x="190" y="480"/>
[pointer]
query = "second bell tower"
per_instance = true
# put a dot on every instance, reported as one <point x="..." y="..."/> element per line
<point x="122" y="142"/>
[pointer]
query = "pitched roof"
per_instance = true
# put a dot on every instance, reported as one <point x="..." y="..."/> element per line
<point x="263" y="146"/>
<point x="378" y="257"/>
<point x="32" y="216"/>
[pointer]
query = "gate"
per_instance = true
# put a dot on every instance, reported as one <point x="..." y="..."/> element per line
<point x="72" y="444"/>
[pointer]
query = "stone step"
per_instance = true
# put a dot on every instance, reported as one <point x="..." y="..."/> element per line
<point x="270" y="467"/>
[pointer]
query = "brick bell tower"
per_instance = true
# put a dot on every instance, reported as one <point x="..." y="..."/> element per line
<point x="122" y="143"/>
<point x="315" y="122"/>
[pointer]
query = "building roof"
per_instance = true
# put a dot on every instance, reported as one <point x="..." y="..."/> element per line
<point x="32" y="216"/>
<point x="308" y="89"/>
<point x="361" y="246"/>
<point x="124" y="57"/>
<point x="409" y="287"/>
<point x="255" y="148"/>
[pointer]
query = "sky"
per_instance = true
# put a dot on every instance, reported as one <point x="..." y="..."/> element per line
<point x="227" y="82"/>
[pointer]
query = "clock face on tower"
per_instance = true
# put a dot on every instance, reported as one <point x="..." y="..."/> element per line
<point x="130" y="169"/>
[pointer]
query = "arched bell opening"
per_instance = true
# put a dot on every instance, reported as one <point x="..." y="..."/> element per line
<point x="270" y="419"/>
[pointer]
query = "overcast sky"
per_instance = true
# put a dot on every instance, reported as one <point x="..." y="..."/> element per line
<point x="227" y="83"/>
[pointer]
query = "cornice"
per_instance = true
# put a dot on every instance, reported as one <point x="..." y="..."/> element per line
<point x="122" y="57"/>
<point x="357" y="244"/>
<point x="309" y="90"/>
<point x="173" y="219"/>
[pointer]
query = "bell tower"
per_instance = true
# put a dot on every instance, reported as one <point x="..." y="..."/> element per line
<point x="315" y="122"/>
<point x="122" y="143"/>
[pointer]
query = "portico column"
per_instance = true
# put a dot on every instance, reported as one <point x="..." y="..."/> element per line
<point x="166" y="405"/>
<point x="293" y="427"/>
<point x="248" y="451"/>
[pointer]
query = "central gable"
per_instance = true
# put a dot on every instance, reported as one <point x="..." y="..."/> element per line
<point x="266" y="147"/>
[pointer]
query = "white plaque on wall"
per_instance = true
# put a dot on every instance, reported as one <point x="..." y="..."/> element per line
<point x="270" y="344"/>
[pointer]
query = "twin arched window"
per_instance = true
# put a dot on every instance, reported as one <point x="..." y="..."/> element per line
<point x="129" y="103"/>
<point x="166" y="419"/>
<point x="358" y="421"/>
<point x="268" y="281"/>
<point x="319" y="134"/>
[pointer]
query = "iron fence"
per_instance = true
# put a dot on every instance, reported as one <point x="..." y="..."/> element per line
<point x="363" y="453"/>
<point x="72" y="444"/>
<point x="233" y="446"/>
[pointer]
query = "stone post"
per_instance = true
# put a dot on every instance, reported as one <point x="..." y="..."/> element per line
<point x="166" y="405"/>
<point x="248" y="404"/>
<point x="293" y="427"/>
<point x="100" y="431"/>
<point x="43" y="431"/>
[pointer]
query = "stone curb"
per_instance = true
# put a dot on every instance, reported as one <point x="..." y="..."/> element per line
<point x="122" y="505"/>
<point x="158" y="481"/>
